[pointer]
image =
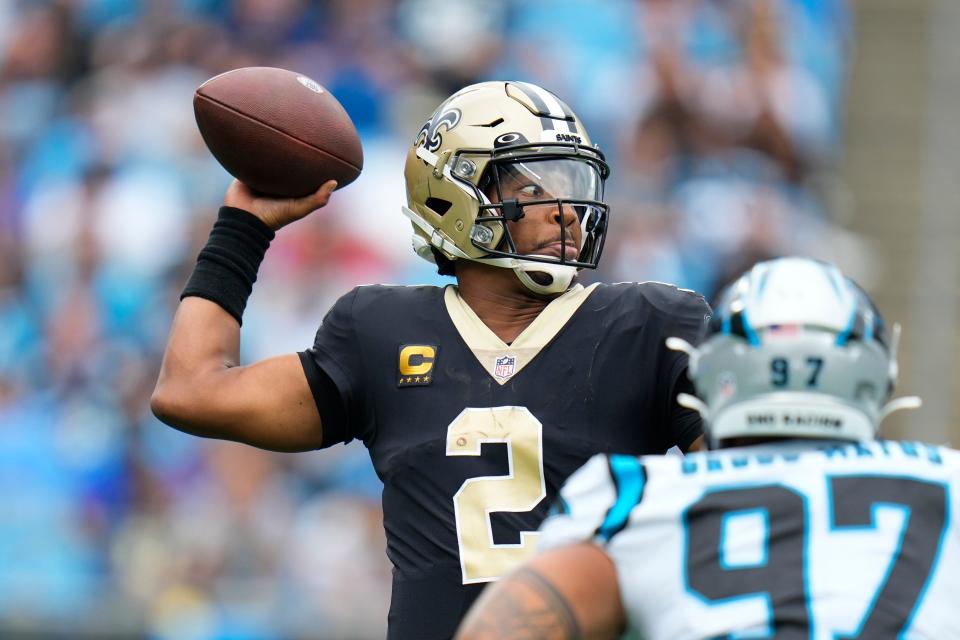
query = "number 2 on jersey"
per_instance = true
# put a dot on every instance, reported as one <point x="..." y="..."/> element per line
<point x="521" y="490"/>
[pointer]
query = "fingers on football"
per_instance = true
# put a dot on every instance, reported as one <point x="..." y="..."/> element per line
<point x="323" y="193"/>
<point x="238" y="195"/>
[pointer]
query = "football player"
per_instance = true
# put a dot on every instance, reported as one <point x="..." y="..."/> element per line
<point x="476" y="400"/>
<point x="800" y="524"/>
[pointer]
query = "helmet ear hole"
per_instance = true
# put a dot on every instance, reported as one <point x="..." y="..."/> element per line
<point x="438" y="205"/>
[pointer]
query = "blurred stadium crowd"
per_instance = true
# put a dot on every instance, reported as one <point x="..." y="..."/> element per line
<point x="721" y="119"/>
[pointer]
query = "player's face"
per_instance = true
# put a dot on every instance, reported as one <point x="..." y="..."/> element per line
<point x="547" y="228"/>
<point x="539" y="230"/>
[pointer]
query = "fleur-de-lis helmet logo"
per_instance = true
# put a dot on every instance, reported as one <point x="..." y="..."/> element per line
<point x="429" y="135"/>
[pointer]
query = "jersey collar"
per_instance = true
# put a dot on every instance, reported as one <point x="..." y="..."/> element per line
<point x="503" y="361"/>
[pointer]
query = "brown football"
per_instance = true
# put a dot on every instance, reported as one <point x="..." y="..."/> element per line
<point x="277" y="131"/>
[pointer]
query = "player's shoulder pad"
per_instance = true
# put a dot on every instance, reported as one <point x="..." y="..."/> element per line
<point x="667" y="299"/>
<point x="385" y="299"/>
<point x="369" y="306"/>
<point x="670" y="298"/>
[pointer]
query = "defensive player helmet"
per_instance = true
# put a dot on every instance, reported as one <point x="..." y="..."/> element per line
<point x="482" y="136"/>
<point x="795" y="349"/>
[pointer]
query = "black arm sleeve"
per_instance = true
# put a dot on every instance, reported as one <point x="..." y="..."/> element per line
<point x="334" y="370"/>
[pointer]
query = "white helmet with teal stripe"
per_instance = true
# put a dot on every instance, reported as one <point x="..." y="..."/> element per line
<point x="795" y="350"/>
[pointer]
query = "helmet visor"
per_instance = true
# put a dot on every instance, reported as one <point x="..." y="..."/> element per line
<point x="529" y="180"/>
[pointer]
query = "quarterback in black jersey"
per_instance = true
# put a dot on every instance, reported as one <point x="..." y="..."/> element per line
<point x="476" y="401"/>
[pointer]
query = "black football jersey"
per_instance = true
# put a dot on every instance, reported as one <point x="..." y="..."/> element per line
<point x="472" y="437"/>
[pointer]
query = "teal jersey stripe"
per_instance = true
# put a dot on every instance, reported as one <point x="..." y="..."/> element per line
<point x="628" y="477"/>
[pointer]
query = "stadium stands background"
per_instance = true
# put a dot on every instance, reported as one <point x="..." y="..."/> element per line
<point x="737" y="130"/>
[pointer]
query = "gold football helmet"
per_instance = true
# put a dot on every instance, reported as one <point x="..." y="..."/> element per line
<point x="478" y="138"/>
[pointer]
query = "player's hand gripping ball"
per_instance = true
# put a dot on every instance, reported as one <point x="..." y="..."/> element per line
<point x="277" y="131"/>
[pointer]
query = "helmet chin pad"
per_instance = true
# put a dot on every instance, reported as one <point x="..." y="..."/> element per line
<point x="543" y="278"/>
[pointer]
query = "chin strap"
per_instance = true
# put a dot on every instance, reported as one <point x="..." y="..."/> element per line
<point x="561" y="276"/>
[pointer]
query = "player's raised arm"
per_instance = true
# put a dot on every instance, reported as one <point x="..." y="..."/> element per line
<point x="202" y="389"/>
<point x="283" y="134"/>
<point x="565" y="594"/>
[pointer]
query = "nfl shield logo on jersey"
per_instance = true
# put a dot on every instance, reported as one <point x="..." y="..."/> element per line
<point x="505" y="366"/>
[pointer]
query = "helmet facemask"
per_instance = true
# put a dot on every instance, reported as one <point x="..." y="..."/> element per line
<point x="519" y="179"/>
